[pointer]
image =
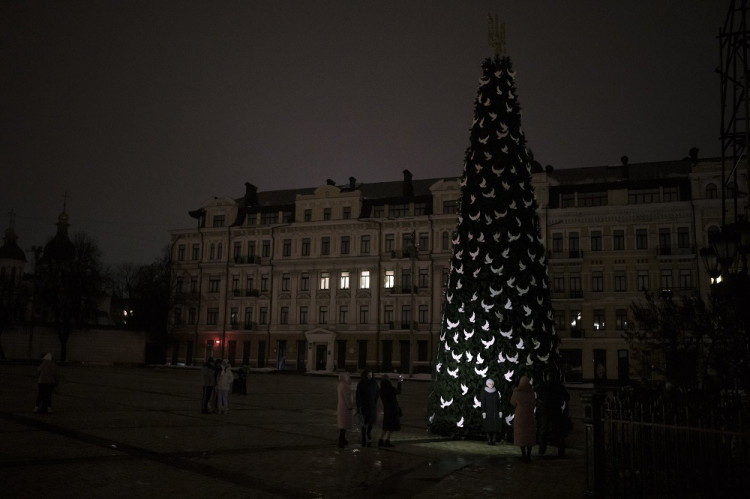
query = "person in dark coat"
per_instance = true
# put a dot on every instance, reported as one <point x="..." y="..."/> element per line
<point x="367" y="404"/>
<point x="491" y="418"/>
<point x="48" y="378"/>
<point x="524" y="426"/>
<point x="344" y="407"/>
<point x="209" y="382"/>
<point x="391" y="409"/>
<point x="553" y="414"/>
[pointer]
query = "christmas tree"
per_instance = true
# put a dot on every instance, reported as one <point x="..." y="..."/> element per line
<point x="497" y="317"/>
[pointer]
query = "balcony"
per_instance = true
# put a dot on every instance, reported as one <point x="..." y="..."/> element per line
<point x="577" y="333"/>
<point x="252" y="292"/>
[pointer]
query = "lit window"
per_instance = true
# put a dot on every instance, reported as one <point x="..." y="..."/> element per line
<point x="344" y="280"/>
<point x="364" y="279"/>
<point x="325" y="280"/>
<point x="390" y="279"/>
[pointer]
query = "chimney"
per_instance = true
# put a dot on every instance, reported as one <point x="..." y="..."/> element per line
<point x="408" y="187"/>
<point x="251" y="194"/>
<point x="352" y="182"/>
<point x="330" y="182"/>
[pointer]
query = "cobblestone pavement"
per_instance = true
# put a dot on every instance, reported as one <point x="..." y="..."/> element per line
<point x="138" y="432"/>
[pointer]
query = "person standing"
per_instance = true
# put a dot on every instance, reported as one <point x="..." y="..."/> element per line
<point x="391" y="409"/>
<point x="553" y="414"/>
<point x="524" y="426"/>
<point x="209" y="382"/>
<point x="491" y="418"/>
<point x="48" y="378"/>
<point x="223" y="386"/>
<point x="344" y="407"/>
<point x="367" y="404"/>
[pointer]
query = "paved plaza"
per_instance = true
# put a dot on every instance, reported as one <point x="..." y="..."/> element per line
<point x="138" y="432"/>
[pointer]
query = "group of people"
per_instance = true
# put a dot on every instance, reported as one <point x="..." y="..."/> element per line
<point x="217" y="383"/>
<point x="548" y="426"/>
<point x="366" y="402"/>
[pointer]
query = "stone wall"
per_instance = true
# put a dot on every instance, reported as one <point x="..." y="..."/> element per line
<point x="95" y="345"/>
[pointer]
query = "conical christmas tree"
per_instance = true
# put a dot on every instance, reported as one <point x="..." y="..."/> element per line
<point x="497" y="317"/>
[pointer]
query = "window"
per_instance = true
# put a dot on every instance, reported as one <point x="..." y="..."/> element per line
<point x="344" y="280"/>
<point x="574" y="245"/>
<point x="252" y="219"/>
<point x="592" y="198"/>
<point x="567" y="199"/>
<point x="284" y="315"/>
<point x="378" y="211"/>
<point x="326" y="213"/>
<point x="364" y="279"/>
<point x="196" y="252"/>
<point x="618" y="239"/>
<point x="620" y="281"/>
<point x="193" y="284"/>
<point x="643" y="280"/>
<point x="303" y="315"/>
<point x="364" y="244"/>
<point x="251" y="249"/>
<point x="325" y="281"/>
<point x="424" y="314"/>
<point x="213" y="284"/>
<point x="621" y="319"/>
<point x="711" y="191"/>
<point x="179" y="284"/>
<point x="406" y="317"/>
<point x="323" y="314"/>
<point x="557" y="242"/>
<point x="558" y="283"/>
<point x="575" y="319"/>
<point x="263" y="315"/>
<point x="398" y="210"/>
<point x="269" y="218"/>
<point x="420" y="209"/>
<point x="683" y="237"/>
<point x="450" y="207"/>
<point x="598" y="317"/>
<point x="575" y="284"/>
<point x="406" y="280"/>
<point x="235" y="285"/>
<point x="219" y="220"/>
<point x="286" y="279"/>
<point x="390" y="279"/>
<point x="597" y="280"/>
<point x="192" y="315"/>
<point x="424" y="278"/>
<point x="390" y="242"/>
<point x="325" y="246"/>
<point x="364" y="314"/>
<point x="445" y="241"/>
<point x="665" y="279"/>
<point x="181" y="252"/>
<point x="250" y="283"/>
<point x="286" y="248"/>
<point x="212" y="316"/>
<point x="287" y="217"/>
<point x="248" y="318"/>
<point x="346" y="213"/>
<point x="265" y="251"/>
<point x="307" y="215"/>
<point x="304" y="282"/>
<point x="306" y="247"/>
<point x="665" y="241"/>
<point x="212" y="252"/>
<point x="596" y="240"/>
<point x="686" y="279"/>
<point x="177" y="319"/>
<point x="641" y="196"/>
<point x="264" y="282"/>
<point x="344" y="245"/>
<point x="670" y="194"/>
<point x="343" y="314"/>
<point x="641" y="239"/>
<point x="237" y="251"/>
<point x="388" y="315"/>
<point x="445" y="273"/>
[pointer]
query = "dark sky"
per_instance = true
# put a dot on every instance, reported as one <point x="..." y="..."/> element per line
<point x="142" y="110"/>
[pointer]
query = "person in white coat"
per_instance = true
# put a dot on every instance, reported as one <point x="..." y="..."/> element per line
<point x="224" y="386"/>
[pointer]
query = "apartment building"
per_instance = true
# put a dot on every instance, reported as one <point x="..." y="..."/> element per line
<point x="348" y="276"/>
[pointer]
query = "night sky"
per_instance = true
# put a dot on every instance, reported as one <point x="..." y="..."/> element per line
<point x="142" y="110"/>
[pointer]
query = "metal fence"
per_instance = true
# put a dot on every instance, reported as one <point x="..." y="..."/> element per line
<point x="653" y="447"/>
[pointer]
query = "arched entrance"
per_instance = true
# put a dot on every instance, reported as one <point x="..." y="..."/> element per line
<point x="320" y="349"/>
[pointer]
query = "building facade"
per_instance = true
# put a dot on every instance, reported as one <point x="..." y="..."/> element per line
<point x="353" y="276"/>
